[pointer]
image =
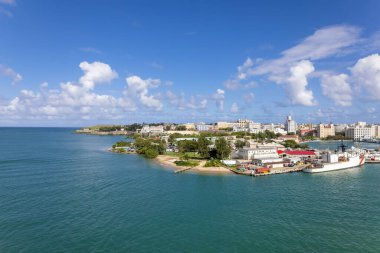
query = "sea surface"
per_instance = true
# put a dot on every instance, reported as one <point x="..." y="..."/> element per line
<point x="63" y="192"/>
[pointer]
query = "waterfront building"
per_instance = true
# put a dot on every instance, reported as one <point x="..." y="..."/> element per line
<point x="359" y="132"/>
<point x="290" y="125"/>
<point x="146" y="129"/>
<point x="325" y="130"/>
<point x="257" y="153"/>
<point x="376" y="131"/>
<point x="297" y="153"/>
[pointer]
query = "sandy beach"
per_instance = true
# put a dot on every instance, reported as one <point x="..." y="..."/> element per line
<point x="168" y="161"/>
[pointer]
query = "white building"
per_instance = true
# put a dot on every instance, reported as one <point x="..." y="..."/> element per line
<point x="152" y="129"/>
<point x="376" y="131"/>
<point x="359" y="132"/>
<point x="203" y="127"/>
<point x="325" y="130"/>
<point x="258" y="153"/>
<point x="290" y="125"/>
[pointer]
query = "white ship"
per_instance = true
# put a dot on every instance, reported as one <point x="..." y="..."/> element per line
<point x="338" y="161"/>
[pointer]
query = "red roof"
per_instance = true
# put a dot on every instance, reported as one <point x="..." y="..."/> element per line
<point x="296" y="152"/>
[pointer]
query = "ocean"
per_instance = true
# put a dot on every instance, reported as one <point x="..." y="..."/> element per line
<point x="63" y="192"/>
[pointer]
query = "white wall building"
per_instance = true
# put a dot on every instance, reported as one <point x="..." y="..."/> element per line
<point x="152" y="129"/>
<point x="203" y="127"/>
<point x="359" y="132"/>
<point x="257" y="153"/>
<point x="290" y="125"/>
<point x="325" y="130"/>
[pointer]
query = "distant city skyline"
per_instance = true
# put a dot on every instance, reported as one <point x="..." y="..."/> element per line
<point x="66" y="63"/>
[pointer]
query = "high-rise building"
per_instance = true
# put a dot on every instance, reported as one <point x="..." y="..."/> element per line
<point x="290" y="125"/>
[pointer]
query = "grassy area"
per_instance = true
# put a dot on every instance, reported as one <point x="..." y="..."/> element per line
<point x="187" y="163"/>
<point x="191" y="155"/>
<point x="213" y="163"/>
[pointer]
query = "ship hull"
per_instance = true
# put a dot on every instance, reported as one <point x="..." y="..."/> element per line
<point x="353" y="162"/>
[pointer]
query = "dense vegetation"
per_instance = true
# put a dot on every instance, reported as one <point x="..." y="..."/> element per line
<point x="150" y="148"/>
<point x="213" y="163"/>
<point x="122" y="144"/>
<point x="294" y="145"/>
<point x="337" y="137"/>
<point x="188" y="163"/>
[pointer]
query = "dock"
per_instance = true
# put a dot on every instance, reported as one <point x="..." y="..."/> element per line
<point x="372" y="161"/>
<point x="271" y="172"/>
<point x="182" y="170"/>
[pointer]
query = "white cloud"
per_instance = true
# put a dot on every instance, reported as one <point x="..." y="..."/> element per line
<point x="137" y="87"/>
<point x="294" y="65"/>
<point x="242" y="70"/>
<point x="96" y="72"/>
<point x="296" y="83"/>
<point x="218" y="96"/>
<point x="337" y="88"/>
<point x="6" y="71"/>
<point x="70" y="101"/>
<point x="325" y="42"/>
<point x="242" y="74"/>
<point x="234" y="108"/>
<point x="366" y="75"/>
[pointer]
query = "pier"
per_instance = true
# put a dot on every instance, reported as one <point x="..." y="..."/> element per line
<point x="270" y="171"/>
<point x="182" y="170"/>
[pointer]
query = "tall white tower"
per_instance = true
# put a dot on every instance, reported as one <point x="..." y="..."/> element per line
<point x="290" y="125"/>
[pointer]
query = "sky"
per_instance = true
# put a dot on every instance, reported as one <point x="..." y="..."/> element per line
<point x="80" y="63"/>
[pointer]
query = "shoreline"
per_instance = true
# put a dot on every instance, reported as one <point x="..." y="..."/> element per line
<point x="168" y="162"/>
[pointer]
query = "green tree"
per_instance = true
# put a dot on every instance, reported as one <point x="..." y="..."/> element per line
<point x="187" y="146"/>
<point x="180" y="128"/>
<point x="240" y="144"/>
<point x="223" y="149"/>
<point x="151" y="153"/>
<point x="203" y="149"/>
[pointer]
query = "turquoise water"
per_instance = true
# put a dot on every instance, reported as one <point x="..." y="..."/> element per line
<point x="61" y="192"/>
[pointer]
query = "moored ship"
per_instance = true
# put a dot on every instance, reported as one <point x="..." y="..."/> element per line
<point x="337" y="161"/>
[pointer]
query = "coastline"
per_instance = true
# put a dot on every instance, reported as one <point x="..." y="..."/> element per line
<point x="168" y="162"/>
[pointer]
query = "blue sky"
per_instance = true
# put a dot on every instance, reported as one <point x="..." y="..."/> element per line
<point x="74" y="63"/>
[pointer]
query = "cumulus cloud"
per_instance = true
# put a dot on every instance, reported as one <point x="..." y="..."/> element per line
<point x="71" y="100"/>
<point x="325" y="42"/>
<point x="296" y="83"/>
<point x="366" y="75"/>
<point x="137" y="87"/>
<point x="96" y="72"/>
<point x="294" y="65"/>
<point x="242" y="74"/>
<point x="234" y="108"/>
<point x="337" y="88"/>
<point x="218" y="96"/>
<point x="6" y="71"/>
